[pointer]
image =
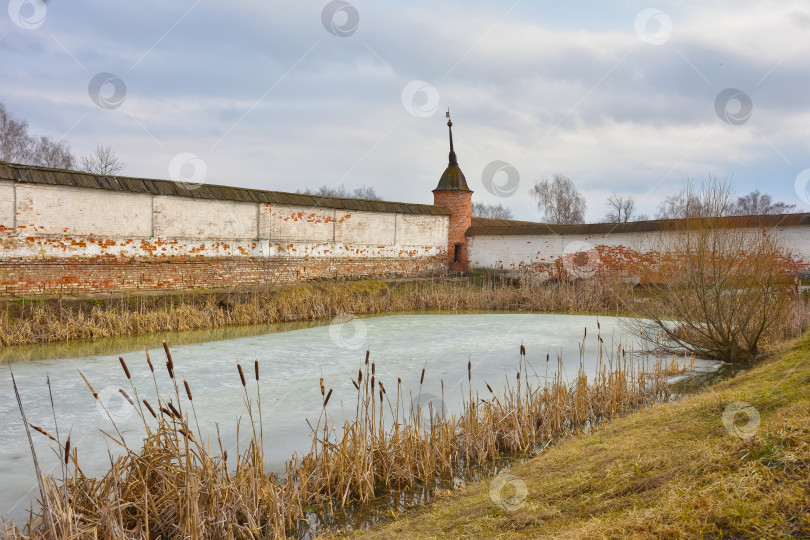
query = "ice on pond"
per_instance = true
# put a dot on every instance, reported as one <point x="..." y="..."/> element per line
<point x="291" y="364"/>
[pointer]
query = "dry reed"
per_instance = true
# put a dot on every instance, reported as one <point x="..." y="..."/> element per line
<point x="176" y="486"/>
<point x="45" y="321"/>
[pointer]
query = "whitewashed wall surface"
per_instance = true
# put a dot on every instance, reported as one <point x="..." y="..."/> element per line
<point x="533" y="253"/>
<point x="40" y="220"/>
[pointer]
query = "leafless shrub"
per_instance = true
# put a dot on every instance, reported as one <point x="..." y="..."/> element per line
<point x="723" y="287"/>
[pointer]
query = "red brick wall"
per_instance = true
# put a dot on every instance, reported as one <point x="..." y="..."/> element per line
<point x="107" y="274"/>
<point x="460" y="205"/>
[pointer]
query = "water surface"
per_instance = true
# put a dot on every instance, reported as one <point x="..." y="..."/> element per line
<point x="292" y="359"/>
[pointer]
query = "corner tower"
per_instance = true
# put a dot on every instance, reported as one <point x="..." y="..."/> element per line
<point x="453" y="194"/>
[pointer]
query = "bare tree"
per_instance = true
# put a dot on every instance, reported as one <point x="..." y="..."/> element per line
<point x="340" y="191"/>
<point x="724" y="284"/>
<point x="15" y="143"/>
<point x="367" y="193"/>
<point x="493" y="211"/>
<point x="758" y="204"/>
<point x="560" y="200"/>
<point x="620" y="209"/>
<point x="714" y="198"/>
<point x="103" y="161"/>
<point x="49" y="153"/>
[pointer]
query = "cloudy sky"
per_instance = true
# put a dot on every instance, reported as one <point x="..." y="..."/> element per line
<point x="623" y="96"/>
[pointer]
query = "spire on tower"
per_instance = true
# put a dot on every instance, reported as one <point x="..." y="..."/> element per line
<point x="453" y="159"/>
<point x="453" y="178"/>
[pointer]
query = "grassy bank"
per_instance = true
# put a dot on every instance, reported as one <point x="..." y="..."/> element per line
<point x="30" y="321"/>
<point x="669" y="471"/>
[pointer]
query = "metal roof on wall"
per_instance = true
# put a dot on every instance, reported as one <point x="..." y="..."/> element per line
<point x="504" y="227"/>
<point x="61" y="177"/>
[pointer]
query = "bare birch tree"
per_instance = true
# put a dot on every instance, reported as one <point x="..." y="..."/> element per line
<point x="365" y="192"/>
<point x="759" y="204"/>
<point x="49" y="153"/>
<point x="492" y="211"/>
<point x="559" y="200"/>
<point x="620" y="209"/>
<point x="15" y="143"/>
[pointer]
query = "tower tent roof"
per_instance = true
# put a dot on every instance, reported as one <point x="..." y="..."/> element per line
<point x="452" y="178"/>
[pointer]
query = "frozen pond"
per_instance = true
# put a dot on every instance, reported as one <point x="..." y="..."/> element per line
<point x="291" y="363"/>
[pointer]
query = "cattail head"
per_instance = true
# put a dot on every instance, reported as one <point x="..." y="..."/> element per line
<point x="151" y="410"/>
<point x="399" y="381"/>
<point x="126" y="396"/>
<point x="547" y="356"/>
<point x="586" y="331"/>
<point x="168" y="355"/>
<point x="323" y="388"/>
<point x="174" y="411"/>
<point x="489" y="388"/>
<point x="382" y="388"/>
<point x="469" y="370"/>
<point x="357" y="386"/>
<point x="359" y="376"/>
<point x="67" y="450"/>
<point x="367" y="355"/>
<point x="149" y="360"/>
<point x="598" y="326"/>
<point x="381" y="393"/>
<point x="95" y="394"/>
<point x="241" y="374"/>
<point x="188" y="389"/>
<point x="256" y="369"/>
<point x="372" y="383"/>
<point x="422" y="378"/>
<point x="373" y="368"/>
<point x="225" y="455"/>
<point x="326" y="401"/>
<point x="41" y="430"/>
<point x="124" y="365"/>
<point x="170" y="369"/>
<point x="518" y="375"/>
<point x="522" y="350"/>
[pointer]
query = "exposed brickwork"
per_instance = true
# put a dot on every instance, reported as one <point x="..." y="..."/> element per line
<point x="106" y="274"/>
<point x="534" y="250"/>
<point x="617" y="260"/>
<point x="459" y="203"/>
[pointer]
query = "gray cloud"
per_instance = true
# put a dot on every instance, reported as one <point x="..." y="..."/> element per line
<point x="546" y="89"/>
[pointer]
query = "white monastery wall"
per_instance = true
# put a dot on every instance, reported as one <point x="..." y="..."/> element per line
<point x="60" y="221"/>
<point x="536" y="252"/>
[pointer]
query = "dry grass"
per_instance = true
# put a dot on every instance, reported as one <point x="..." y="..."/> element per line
<point x="176" y="486"/>
<point x="44" y="321"/>
<point x="669" y="471"/>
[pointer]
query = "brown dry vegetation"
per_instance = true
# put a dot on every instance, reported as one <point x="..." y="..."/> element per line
<point x="669" y="471"/>
<point x="726" y="287"/>
<point x="176" y="486"/>
<point x="729" y="288"/>
<point x="40" y="321"/>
